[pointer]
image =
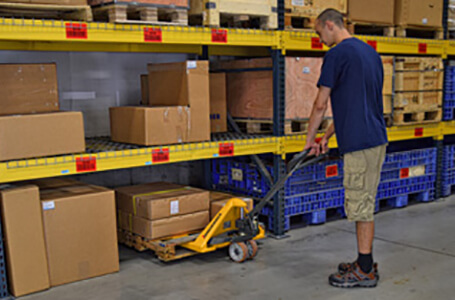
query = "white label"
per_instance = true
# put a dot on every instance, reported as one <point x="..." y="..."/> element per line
<point x="174" y="207"/>
<point x="306" y="70"/>
<point x="191" y="64"/>
<point x="48" y="205"/>
<point x="417" y="171"/>
<point x="424" y="21"/>
<point x="298" y="2"/>
<point x="237" y="174"/>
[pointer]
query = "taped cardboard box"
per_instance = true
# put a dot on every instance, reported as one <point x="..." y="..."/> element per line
<point x="218" y="105"/>
<point x="423" y="13"/>
<point x="163" y="227"/>
<point x="216" y="206"/>
<point x="183" y="84"/>
<point x="150" y="126"/>
<point x="28" y="88"/>
<point x="217" y="196"/>
<point x="23" y="233"/>
<point x="80" y="232"/>
<point x="161" y="200"/>
<point x="371" y="11"/>
<point x="29" y="136"/>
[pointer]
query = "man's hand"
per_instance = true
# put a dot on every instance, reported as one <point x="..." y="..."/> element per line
<point x="324" y="143"/>
<point x="315" y="148"/>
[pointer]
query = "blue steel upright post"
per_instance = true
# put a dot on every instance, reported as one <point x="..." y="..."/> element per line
<point x="279" y="167"/>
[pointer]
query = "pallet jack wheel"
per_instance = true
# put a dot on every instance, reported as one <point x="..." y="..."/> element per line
<point x="252" y="249"/>
<point x="238" y="252"/>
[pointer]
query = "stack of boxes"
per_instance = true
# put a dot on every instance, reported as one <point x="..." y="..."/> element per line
<point x="57" y="231"/>
<point x="31" y="124"/>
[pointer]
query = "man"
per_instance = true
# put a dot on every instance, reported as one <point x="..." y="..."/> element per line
<point x="352" y="76"/>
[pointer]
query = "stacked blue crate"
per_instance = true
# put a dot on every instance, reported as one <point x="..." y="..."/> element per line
<point x="311" y="191"/>
<point x="448" y="170"/>
<point x="449" y="92"/>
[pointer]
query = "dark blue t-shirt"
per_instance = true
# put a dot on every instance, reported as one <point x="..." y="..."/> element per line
<point x="354" y="72"/>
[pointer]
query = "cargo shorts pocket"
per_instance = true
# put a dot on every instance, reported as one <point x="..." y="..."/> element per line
<point x="355" y="167"/>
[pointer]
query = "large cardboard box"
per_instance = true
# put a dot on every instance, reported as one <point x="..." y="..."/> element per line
<point x="426" y="13"/>
<point x="172" y="3"/>
<point x="216" y="206"/>
<point x="22" y="221"/>
<point x="371" y="11"/>
<point x="54" y="2"/>
<point x="183" y="84"/>
<point x="163" y="227"/>
<point x="28" y="88"/>
<point x="150" y="126"/>
<point x="27" y="136"/>
<point x="250" y="91"/>
<point x="80" y="231"/>
<point x="218" y="105"/>
<point x="161" y="200"/>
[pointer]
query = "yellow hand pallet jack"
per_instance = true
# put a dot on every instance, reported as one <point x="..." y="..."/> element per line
<point x="233" y="226"/>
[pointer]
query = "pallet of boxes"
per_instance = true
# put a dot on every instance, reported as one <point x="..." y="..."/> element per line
<point x="77" y="10"/>
<point x="301" y="14"/>
<point x="56" y="231"/>
<point x="141" y="11"/>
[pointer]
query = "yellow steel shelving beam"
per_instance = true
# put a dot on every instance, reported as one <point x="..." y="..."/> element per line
<point x="112" y="160"/>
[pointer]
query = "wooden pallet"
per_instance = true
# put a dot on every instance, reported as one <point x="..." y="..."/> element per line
<point x="46" y="11"/>
<point x="140" y="14"/>
<point x="410" y="118"/>
<point x="418" y="101"/>
<point x="419" y="32"/>
<point x="235" y="13"/>
<point x="301" y="14"/>
<point x="250" y="126"/>
<point x="363" y="28"/>
<point x="165" y="249"/>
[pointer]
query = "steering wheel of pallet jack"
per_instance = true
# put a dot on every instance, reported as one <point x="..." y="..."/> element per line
<point x="252" y="249"/>
<point x="238" y="252"/>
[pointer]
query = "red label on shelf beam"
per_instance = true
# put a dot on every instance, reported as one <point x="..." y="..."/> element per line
<point x="422" y="48"/>
<point x="76" y="31"/>
<point x="404" y="173"/>
<point x="331" y="171"/>
<point x="226" y="149"/>
<point x="418" y="131"/>
<point x="316" y="43"/>
<point x="153" y="35"/>
<point x="373" y="44"/>
<point x="85" y="164"/>
<point x="160" y="155"/>
<point x="219" y="36"/>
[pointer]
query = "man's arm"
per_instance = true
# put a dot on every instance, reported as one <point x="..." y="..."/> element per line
<point x="317" y="115"/>
<point x="325" y="140"/>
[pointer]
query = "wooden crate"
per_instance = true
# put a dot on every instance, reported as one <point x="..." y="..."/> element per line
<point x="302" y="13"/>
<point x="250" y="90"/>
<point x="46" y="11"/>
<point x="387" y="90"/>
<point x="232" y="13"/>
<point x="418" y="83"/>
<point x="251" y="126"/>
<point x="173" y="12"/>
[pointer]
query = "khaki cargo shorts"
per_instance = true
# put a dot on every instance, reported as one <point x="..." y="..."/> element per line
<point x="362" y="172"/>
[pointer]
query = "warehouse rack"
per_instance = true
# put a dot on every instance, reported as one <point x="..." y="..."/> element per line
<point x="45" y="35"/>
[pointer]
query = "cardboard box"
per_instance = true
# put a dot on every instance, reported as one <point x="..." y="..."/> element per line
<point x="80" y="231"/>
<point x="173" y="3"/>
<point x="216" y="206"/>
<point x="218" y="105"/>
<point x="54" y="2"/>
<point x="163" y="227"/>
<point x="23" y="234"/>
<point x="161" y="200"/>
<point x="28" y="88"/>
<point x="183" y="84"/>
<point x="425" y="13"/>
<point x="217" y="196"/>
<point x="28" y="136"/>
<point x="250" y="92"/>
<point x="149" y="126"/>
<point x="371" y="11"/>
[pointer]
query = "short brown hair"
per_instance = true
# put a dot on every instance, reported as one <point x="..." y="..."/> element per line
<point x="333" y="15"/>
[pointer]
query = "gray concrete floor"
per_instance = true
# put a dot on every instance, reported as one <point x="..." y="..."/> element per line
<point x="415" y="248"/>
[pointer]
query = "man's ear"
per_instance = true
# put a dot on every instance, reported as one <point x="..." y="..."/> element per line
<point x="329" y="24"/>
